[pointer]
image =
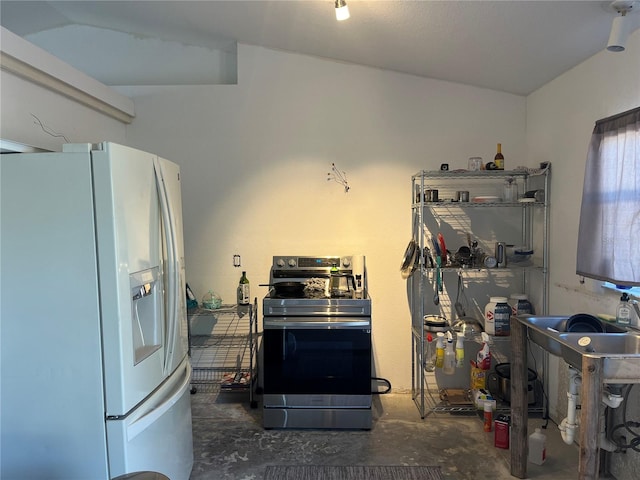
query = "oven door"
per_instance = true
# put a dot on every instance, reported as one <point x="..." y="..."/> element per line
<point x="316" y="362"/>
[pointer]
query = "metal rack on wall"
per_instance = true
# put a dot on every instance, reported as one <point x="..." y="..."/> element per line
<point x="223" y="346"/>
<point x="530" y="226"/>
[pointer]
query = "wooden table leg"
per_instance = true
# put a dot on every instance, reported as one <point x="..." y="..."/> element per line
<point x="591" y="395"/>
<point x="519" y="399"/>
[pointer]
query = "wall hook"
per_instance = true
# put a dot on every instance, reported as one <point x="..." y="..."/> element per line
<point x="339" y="177"/>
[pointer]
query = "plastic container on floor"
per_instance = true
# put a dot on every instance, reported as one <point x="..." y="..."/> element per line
<point x="537" y="447"/>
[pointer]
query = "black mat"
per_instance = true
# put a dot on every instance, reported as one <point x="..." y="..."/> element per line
<point x="360" y="472"/>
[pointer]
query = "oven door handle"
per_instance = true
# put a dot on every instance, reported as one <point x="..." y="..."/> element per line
<point x="272" y="324"/>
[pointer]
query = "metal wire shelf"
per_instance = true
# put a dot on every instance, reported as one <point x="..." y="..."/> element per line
<point x="223" y="348"/>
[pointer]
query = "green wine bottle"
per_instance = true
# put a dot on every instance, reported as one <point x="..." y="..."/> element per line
<point x="244" y="296"/>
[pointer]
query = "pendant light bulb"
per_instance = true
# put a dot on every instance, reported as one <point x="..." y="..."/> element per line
<point x="342" y="11"/>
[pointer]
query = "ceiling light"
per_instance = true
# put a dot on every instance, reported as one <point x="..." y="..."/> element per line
<point x="342" y="11"/>
<point x="621" y="26"/>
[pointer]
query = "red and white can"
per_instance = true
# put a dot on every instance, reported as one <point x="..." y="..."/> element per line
<point x="502" y="425"/>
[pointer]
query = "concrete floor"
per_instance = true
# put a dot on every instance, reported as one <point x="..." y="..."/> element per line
<point x="230" y="443"/>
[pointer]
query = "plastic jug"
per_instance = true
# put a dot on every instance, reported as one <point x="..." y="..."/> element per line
<point x="537" y="447"/>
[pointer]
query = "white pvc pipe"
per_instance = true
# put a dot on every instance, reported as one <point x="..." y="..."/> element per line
<point x="612" y="400"/>
<point x="569" y="425"/>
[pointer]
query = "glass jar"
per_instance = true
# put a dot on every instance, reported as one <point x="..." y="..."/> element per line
<point x="510" y="190"/>
<point x="474" y="164"/>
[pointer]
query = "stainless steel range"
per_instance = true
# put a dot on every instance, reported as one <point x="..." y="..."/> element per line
<point x="317" y="344"/>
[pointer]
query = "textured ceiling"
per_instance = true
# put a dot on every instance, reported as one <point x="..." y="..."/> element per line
<point x="511" y="46"/>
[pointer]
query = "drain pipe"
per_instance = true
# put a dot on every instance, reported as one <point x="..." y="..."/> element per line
<point x="569" y="424"/>
<point x="612" y="398"/>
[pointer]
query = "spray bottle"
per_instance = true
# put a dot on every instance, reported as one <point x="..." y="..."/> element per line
<point x="484" y="355"/>
<point x="460" y="350"/>
<point x="440" y="350"/>
<point x="449" y="366"/>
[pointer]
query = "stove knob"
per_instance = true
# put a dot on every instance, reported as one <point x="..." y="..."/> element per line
<point x="346" y="261"/>
<point x="280" y="263"/>
<point x="292" y="262"/>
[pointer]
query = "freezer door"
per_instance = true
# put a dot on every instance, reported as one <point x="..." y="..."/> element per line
<point x="156" y="436"/>
<point x="51" y="386"/>
<point x="138" y="231"/>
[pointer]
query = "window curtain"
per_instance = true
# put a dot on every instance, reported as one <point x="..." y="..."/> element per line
<point x="609" y="232"/>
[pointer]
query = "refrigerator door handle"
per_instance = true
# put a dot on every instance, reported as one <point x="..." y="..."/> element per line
<point x="141" y="424"/>
<point x="173" y="280"/>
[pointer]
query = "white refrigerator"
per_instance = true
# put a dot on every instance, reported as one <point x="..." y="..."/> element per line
<point x="94" y="372"/>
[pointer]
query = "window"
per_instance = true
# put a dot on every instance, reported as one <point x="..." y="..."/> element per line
<point x="609" y="229"/>
<point x="631" y="291"/>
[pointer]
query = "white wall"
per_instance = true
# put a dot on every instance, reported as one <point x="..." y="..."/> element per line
<point x="255" y="159"/>
<point x="21" y="100"/>
<point x="560" y="119"/>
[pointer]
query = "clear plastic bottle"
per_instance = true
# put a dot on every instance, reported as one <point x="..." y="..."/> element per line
<point x="510" y="189"/>
<point x="483" y="359"/>
<point x="623" y="312"/>
<point x="537" y="447"/>
<point x="244" y="296"/>
<point x="460" y="351"/>
<point x="429" y="363"/>
<point x="440" y="350"/>
<point x="449" y="366"/>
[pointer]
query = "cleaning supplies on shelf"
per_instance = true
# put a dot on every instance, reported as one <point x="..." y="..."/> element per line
<point x="481" y="365"/>
<point x="440" y="350"/>
<point x="449" y="366"/>
<point x="459" y="350"/>
<point x="488" y="416"/>
<point x="483" y="360"/>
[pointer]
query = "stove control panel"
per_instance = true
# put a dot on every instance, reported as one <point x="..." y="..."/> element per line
<point x="320" y="264"/>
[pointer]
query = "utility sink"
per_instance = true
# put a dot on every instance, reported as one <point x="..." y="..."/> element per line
<point x="618" y="346"/>
<point x="574" y="345"/>
<point x="544" y="331"/>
